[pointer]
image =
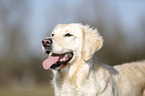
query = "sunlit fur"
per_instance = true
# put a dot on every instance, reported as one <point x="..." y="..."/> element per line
<point x="84" y="75"/>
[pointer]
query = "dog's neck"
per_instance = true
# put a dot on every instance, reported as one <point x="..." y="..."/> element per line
<point x="76" y="72"/>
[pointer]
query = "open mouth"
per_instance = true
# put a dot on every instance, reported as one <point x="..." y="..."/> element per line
<point x="57" y="61"/>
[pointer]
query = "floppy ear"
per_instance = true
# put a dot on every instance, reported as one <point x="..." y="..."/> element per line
<point x="92" y="42"/>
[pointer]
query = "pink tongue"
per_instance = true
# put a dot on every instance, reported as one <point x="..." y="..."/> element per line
<point x="50" y="61"/>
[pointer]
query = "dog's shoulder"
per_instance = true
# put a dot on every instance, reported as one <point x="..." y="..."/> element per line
<point x="105" y="77"/>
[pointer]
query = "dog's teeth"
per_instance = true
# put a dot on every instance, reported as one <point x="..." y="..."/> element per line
<point x="61" y="59"/>
<point x="64" y="57"/>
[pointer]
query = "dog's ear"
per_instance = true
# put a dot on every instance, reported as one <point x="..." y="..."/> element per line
<point x="92" y="42"/>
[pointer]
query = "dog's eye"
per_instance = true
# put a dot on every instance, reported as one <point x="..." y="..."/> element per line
<point x="52" y="35"/>
<point x="68" y="35"/>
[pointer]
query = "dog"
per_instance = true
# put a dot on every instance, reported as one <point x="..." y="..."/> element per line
<point x="76" y="70"/>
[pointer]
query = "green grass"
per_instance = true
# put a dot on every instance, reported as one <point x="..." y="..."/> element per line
<point x="37" y="91"/>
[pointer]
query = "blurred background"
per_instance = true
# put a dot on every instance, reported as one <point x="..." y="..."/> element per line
<point x="24" y="23"/>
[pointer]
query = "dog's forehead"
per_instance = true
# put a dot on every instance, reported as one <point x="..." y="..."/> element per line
<point x="74" y="29"/>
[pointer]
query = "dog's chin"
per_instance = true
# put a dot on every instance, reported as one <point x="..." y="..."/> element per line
<point x="56" y="61"/>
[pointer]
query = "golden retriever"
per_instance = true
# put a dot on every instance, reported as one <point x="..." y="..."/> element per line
<point x="78" y="73"/>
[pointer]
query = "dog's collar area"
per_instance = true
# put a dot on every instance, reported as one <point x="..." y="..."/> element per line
<point x="57" y="61"/>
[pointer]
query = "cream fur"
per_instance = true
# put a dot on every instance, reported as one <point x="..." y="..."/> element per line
<point x="84" y="75"/>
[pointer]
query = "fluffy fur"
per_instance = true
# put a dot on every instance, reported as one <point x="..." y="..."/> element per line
<point x="84" y="75"/>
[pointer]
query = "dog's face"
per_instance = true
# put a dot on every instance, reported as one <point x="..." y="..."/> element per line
<point x="68" y="42"/>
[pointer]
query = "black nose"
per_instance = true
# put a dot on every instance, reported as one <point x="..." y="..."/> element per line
<point x="47" y="42"/>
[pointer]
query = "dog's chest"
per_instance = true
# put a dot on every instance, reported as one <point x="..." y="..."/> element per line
<point x="87" y="88"/>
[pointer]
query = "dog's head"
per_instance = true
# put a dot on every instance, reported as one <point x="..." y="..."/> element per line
<point x="70" y="42"/>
